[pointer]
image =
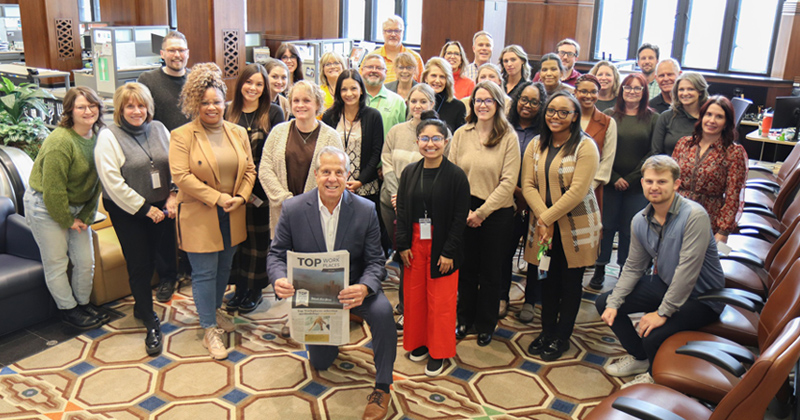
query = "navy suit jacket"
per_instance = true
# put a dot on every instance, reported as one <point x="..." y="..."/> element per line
<point x="299" y="229"/>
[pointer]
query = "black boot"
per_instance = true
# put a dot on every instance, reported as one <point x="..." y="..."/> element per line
<point x="238" y="297"/>
<point x="80" y="319"/>
<point x="251" y="301"/>
<point x="165" y="290"/>
<point x="154" y="340"/>
<point x="599" y="276"/>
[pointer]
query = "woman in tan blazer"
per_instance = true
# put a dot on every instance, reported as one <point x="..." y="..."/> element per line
<point x="212" y="165"/>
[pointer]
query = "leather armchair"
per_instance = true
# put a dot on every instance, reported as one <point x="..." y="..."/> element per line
<point x="24" y="297"/>
<point x="110" y="269"/>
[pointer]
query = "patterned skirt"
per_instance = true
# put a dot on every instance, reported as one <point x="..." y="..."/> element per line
<point x="249" y="268"/>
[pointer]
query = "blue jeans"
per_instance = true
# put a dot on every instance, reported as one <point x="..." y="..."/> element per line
<point x="58" y="247"/>
<point x="210" y="273"/>
<point x="619" y="207"/>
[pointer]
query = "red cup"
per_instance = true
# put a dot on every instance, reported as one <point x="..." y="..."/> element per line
<point x="766" y="125"/>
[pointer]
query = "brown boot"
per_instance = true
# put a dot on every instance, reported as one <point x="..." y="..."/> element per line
<point x="377" y="405"/>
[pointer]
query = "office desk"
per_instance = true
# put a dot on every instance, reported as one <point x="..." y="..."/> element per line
<point x="754" y="136"/>
<point x="20" y="71"/>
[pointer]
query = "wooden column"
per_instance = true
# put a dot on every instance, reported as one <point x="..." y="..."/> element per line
<point x="786" y="64"/>
<point x="134" y="12"/>
<point x="538" y="25"/>
<point x="319" y="19"/>
<point x="50" y="33"/>
<point x="454" y="20"/>
<point x="214" y="30"/>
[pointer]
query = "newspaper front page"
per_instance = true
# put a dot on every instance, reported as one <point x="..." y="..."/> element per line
<point x="316" y="315"/>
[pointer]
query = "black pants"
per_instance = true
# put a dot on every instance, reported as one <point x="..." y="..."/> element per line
<point x="143" y="242"/>
<point x="519" y="231"/>
<point x="646" y="296"/>
<point x="485" y="252"/>
<point x="561" y="292"/>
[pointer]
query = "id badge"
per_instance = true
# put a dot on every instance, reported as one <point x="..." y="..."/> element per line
<point x="723" y="248"/>
<point x="155" y="179"/>
<point x="256" y="201"/>
<point x="544" y="263"/>
<point x="425" y="229"/>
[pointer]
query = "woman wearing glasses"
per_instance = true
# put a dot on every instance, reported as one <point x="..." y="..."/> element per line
<point x="600" y="127"/>
<point x="623" y="196"/>
<point x="439" y="75"/>
<point x="525" y="116"/>
<point x="608" y="76"/>
<point x="60" y="205"/>
<point x="432" y="208"/>
<point x="454" y="53"/>
<point x="557" y="173"/>
<point x="332" y="64"/>
<point x="290" y="56"/>
<point x="688" y="94"/>
<point x="487" y="149"/>
<point x="551" y="69"/>
<point x="515" y="67"/>
<point x="405" y="68"/>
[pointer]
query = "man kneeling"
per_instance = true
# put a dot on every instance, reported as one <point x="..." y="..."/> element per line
<point x="327" y="219"/>
<point x="675" y="233"/>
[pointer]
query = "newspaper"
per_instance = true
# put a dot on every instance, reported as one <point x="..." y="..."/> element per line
<point x="316" y="316"/>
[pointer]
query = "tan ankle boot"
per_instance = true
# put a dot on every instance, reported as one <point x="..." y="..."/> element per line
<point x="213" y="342"/>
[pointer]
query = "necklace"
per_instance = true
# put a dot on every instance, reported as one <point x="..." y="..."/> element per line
<point x="248" y="121"/>
<point x="305" y="138"/>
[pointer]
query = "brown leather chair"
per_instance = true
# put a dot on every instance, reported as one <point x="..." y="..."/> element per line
<point x="760" y="174"/>
<point x="677" y="365"/>
<point x="748" y="400"/>
<point x="769" y="206"/>
<point x="110" y="269"/>
<point x="764" y="227"/>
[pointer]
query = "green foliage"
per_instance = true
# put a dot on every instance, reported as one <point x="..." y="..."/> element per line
<point x="17" y="127"/>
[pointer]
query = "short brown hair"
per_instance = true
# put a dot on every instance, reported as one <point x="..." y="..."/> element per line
<point x="135" y="92"/>
<point x="662" y="163"/>
<point x="69" y="106"/>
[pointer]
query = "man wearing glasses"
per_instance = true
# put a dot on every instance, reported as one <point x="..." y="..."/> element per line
<point x="568" y="50"/>
<point x="393" y="44"/>
<point x="391" y="105"/>
<point x="165" y="86"/>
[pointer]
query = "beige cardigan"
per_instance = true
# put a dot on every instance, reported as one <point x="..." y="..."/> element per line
<point x="576" y="212"/>
<point x="272" y="170"/>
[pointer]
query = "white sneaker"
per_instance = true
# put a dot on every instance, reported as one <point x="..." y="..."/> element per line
<point x="644" y="378"/>
<point x="627" y="366"/>
<point x="225" y="321"/>
<point x="213" y="342"/>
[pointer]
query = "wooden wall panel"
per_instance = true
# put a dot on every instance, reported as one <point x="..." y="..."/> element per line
<point x="195" y="21"/>
<point x="525" y="24"/>
<point x="319" y="19"/>
<point x="118" y="13"/>
<point x="538" y="25"/>
<point x="455" y="20"/>
<point x="39" y="34"/>
<point x="786" y="64"/>
<point x="9" y="1"/>
<point x="152" y="12"/>
<point x="274" y="17"/>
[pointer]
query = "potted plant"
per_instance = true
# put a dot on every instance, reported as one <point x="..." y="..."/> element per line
<point x="19" y="127"/>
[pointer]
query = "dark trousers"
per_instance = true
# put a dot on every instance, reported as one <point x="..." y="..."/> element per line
<point x="646" y="297"/>
<point x="485" y="254"/>
<point x="143" y="243"/>
<point x="561" y="292"/>
<point x="377" y="311"/>
<point x="619" y="207"/>
<point x="519" y="231"/>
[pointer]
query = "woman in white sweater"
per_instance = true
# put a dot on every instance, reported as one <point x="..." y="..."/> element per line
<point x="290" y="152"/>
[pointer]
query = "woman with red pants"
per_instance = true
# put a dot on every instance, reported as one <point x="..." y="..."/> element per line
<point x="432" y="206"/>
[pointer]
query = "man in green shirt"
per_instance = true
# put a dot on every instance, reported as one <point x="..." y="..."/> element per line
<point x="391" y="105"/>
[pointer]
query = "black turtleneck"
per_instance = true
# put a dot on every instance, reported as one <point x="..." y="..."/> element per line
<point x="453" y="112"/>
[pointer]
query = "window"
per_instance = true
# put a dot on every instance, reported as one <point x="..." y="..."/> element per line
<point x="363" y="19"/>
<point x="88" y="10"/>
<point x="725" y="36"/>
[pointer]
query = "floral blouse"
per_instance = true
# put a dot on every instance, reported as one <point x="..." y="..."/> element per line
<point x="715" y="180"/>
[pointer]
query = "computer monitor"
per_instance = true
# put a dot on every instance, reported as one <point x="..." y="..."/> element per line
<point x="155" y="43"/>
<point x="787" y="112"/>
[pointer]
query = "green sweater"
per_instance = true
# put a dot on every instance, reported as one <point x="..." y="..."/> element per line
<point x="65" y="174"/>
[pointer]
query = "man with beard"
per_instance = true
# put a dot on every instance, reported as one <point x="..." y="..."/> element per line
<point x="482" y="44"/>
<point x="646" y="59"/>
<point x="667" y="71"/>
<point x="391" y="105"/>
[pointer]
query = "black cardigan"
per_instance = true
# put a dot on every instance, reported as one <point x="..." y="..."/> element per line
<point x="454" y="113"/>
<point x="371" y="141"/>
<point x="450" y="208"/>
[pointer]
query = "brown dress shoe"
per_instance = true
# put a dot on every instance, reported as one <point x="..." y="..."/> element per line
<point x="377" y="405"/>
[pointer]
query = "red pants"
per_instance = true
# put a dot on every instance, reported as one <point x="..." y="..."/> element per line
<point x="429" y="304"/>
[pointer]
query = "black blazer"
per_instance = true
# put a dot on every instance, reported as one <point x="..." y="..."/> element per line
<point x="371" y="140"/>
<point x="450" y="208"/>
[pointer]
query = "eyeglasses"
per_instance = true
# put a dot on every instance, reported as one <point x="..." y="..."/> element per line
<point x="288" y="57"/>
<point x="562" y="113"/>
<point x="452" y="54"/>
<point x="567" y="54"/>
<point x="405" y="68"/>
<point x="177" y="51"/>
<point x="374" y="68"/>
<point x="332" y="64"/>
<point x="587" y="92"/>
<point x="393" y="31"/>
<point x="92" y="107"/>
<point x="487" y="101"/>
<point x="629" y="89"/>
<point x="524" y="100"/>
<point x="435" y="139"/>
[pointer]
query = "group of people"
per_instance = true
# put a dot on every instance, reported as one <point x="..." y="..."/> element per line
<point x="450" y="165"/>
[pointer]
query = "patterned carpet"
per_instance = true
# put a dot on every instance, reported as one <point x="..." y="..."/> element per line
<point x="106" y="374"/>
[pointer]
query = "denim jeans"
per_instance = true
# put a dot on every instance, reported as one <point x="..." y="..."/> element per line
<point x="58" y="247"/>
<point x="210" y="273"/>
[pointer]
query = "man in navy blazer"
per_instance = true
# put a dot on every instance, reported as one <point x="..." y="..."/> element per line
<point x="329" y="218"/>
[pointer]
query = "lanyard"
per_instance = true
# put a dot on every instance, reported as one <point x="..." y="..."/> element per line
<point x="422" y="187"/>
<point x="135" y="140"/>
